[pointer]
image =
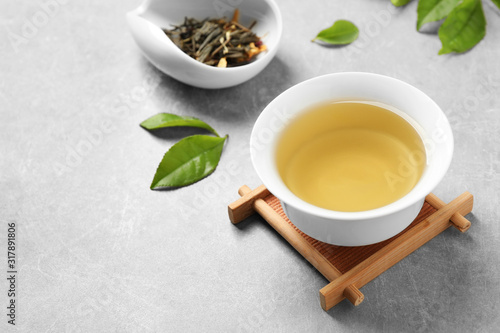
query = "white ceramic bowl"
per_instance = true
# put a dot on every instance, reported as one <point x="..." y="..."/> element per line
<point x="353" y="228"/>
<point x="146" y="21"/>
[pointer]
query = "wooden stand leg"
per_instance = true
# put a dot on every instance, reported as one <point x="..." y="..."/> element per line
<point x="242" y="208"/>
<point x="458" y="221"/>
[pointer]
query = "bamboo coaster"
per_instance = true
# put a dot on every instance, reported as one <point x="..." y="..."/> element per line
<point x="350" y="268"/>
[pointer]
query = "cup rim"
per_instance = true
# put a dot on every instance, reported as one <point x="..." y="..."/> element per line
<point x="276" y="185"/>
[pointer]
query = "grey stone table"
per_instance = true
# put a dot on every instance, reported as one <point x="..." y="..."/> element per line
<point x="98" y="251"/>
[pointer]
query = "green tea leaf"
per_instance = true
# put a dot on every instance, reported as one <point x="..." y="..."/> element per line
<point x="340" y="33"/>
<point x="464" y="27"/>
<point x="496" y="2"/>
<point x="399" y="3"/>
<point x="188" y="161"/>
<point x="162" y="120"/>
<point x="434" y="10"/>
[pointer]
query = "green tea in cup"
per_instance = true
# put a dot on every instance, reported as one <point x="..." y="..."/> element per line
<point x="350" y="156"/>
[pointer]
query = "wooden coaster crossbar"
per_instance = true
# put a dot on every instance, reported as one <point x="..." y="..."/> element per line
<point x="350" y="268"/>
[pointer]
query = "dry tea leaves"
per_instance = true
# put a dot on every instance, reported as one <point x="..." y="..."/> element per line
<point x="188" y="161"/>
<point x="464" y="27"/>
<point x="217" y="42"/>
<point x="340" y="33"/>
<point x="433" y="10"/>
<point x="163" y="120"/>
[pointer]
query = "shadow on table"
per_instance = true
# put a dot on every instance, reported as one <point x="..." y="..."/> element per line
<point x="428" y="291"/>
<point x="433" y="289"/>
<point x="233" y="104"/>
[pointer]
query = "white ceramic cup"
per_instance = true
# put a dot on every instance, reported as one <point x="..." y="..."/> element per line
<point x="353" y="228"/>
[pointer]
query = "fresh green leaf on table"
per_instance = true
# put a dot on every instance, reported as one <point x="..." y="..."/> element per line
<point x="496" y="2"/>
<point x="188" y="161"/>
<point x="340" y="33"/>
<point x="434" y="10"/>
<point x="399" y="3"/>
<point x="464" y="27"/>
<point x="162" y="120"/>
